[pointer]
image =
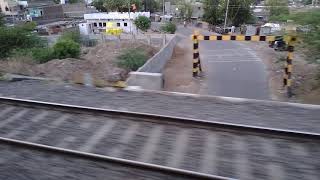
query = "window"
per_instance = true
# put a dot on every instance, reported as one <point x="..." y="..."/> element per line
<point x="125" y="24"/>
<point x="7" y="9"/>
<point x="100" y="24"/>
<point x="104" y="24"/>
<point x="95" y="24"/>
<point x="118" y="24"/>
<point x="199" y="8"/>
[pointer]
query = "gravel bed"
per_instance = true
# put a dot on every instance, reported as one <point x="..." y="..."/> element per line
<point x="36" y="164"/>
<point x="265" y="114"/>
<point x="175" y="145"/>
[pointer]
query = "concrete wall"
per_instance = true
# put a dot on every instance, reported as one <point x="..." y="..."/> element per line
<point x="159" y="60"/>
<point x="151" y="81"/>
<point x="155" y="40"/>
<point x="149" y="76"/>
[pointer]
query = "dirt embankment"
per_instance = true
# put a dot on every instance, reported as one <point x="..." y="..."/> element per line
<point x="99" y="62"/>
<point x="306" y="87"/>
<point x="178" y="71"/>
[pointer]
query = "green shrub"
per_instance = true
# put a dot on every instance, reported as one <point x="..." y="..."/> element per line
<point x="132" y="59"/>
<point x="143" y="23"/>
<point x="42" y="55"/>
<point x="169" y="27"/>
<point x="71" y="35"/>
<point x="28" y="26"/>
<point x="16" y="53"/>
<point x="17" y="38"/>
<point x="66" y="49"/>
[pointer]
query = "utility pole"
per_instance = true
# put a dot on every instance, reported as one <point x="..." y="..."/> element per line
<point x="226" y="16"/>
<point x="163" y="7"/>
<point x="129" y="17"/>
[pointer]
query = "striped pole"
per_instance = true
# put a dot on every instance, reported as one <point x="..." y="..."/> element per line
<point x="195" y="61"/>
<point x="199" y="64"/>
<point x="288" y="69"/>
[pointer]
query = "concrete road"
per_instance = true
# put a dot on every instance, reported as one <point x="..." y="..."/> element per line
<point x="232" y="69"/>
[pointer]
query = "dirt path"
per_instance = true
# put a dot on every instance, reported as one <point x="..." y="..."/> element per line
<point x="178" y="71"/>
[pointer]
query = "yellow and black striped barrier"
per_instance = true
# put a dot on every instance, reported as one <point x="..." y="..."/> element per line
<point x="287" y="81"/>
<point x="235" y="38"/>
<point x="196" y="57"/>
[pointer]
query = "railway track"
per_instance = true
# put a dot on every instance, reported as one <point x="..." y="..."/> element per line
<point x="188" y="145"/>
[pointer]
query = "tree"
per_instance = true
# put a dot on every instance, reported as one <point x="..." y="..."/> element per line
<point x="185" y="9"/>
<point x="277" y="8"/>
<point x="239" y="11"/>
<point x="151" y="5"/>
<point x="116" y="5"/>
<point x="212" y="12"/>
<point x="311" y="20"/>
<point x="143" y="23"/>
<point x="99" y="5"/>
<point x="13" y="38"/>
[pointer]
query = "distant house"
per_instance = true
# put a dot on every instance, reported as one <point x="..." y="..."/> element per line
<point x="9" y="7"/>
<point x="48" y="12"/>
<point x="13" y="10"/>
<point x="43" y="14"/>
<point x="97" y="22"/>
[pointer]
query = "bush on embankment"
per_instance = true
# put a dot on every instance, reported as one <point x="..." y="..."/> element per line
<point x="132" y="59"/>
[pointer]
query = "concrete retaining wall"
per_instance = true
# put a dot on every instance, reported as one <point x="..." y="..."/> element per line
<point x="159" y="60"/>
<point x="149" y="76"/>
<point x="150" y="81"/>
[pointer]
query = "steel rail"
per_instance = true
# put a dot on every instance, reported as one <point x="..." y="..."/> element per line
<point x="164" y="118"/>
<point x="108" y="159"/>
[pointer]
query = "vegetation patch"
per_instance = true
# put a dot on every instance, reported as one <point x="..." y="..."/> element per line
<point x="169" y="27"/>
<point x="143" y="23"/>
<point x="132" y="59"/>
<point x="66" y="49"/>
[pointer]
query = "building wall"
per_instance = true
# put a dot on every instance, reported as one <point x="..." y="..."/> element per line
<point x="9" y="8"/>
<point x="101" y="25"/>
<point x="52" y="12"/>
<point x="98" y="21"/>
<point x="47" y="14"/>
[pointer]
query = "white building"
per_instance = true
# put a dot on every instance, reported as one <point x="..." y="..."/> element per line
<point x="97" y="22"/>
<point x="9" y="7"/>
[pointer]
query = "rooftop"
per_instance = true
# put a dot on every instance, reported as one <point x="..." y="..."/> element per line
<point x="115" y="15"/>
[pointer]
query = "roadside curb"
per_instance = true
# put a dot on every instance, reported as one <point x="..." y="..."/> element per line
<point x="227" y="99"/>
<point x="14" y="77"/>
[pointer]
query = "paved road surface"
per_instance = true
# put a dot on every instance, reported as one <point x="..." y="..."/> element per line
<point x="233" y="70"/>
